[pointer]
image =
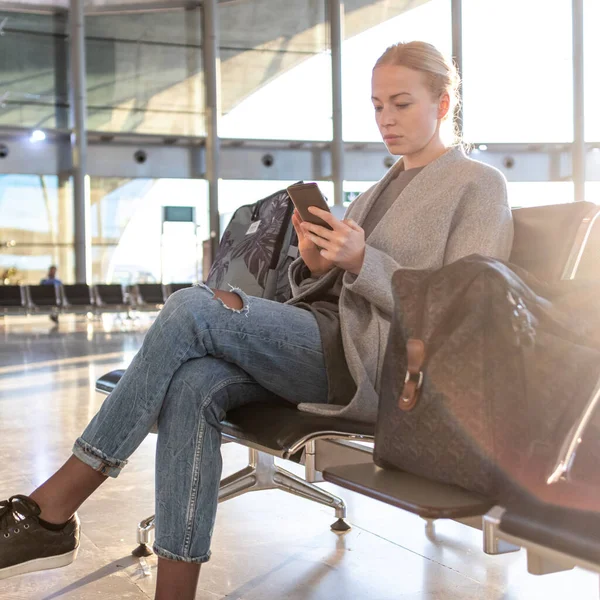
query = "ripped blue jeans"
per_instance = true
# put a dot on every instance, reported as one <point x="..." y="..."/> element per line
<point x="198" y="360"/>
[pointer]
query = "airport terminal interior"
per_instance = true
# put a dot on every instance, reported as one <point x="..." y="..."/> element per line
<point x="131" y="132"/>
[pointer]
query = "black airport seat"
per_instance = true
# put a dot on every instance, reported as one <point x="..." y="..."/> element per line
<point x="415" y="494"/>
<point x="149" y="296"/>
<point x="77" y="297"/>
<point x="290" y="431"/>
<point x="175" y="287"/>
<point x="13" y="300"/>
<point x="110" y="297"/>
<point x="575" y="533"/>
<point x="43" y="298"/>
<point x="267" y="425"/>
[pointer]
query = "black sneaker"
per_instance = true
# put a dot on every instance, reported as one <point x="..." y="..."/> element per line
<point x="25" y="545"/>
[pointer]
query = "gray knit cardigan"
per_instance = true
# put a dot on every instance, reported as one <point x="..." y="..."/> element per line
<point x="454" y="207"/>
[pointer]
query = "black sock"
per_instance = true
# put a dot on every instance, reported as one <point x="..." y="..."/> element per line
<point x="52" y="526"/>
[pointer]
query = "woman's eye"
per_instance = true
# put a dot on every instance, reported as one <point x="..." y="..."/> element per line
<point x="378" y="108"/>
<point x="402" y="105"/>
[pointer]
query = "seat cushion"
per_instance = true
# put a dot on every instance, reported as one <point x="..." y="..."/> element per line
<point x="574" y="532"/>
<point x="281" y="426"/>
<point x="424" y="497"/>
<point x="276" y="426"/>
<point x="108" y="381"/>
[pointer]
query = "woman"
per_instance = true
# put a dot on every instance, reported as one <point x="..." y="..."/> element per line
<point x="209" y="352"/>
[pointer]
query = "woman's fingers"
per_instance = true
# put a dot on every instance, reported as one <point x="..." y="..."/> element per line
<point x="297" y="223"/>
<point x="322" y="232"/>
<point x="325" y="215"/>
<point x="352" y="224"/>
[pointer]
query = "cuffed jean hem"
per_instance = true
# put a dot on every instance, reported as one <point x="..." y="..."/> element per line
<point x="188" y="559"/>
<point x="92" y="457"/>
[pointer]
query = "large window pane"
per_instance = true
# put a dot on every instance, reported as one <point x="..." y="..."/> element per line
<point x="517" y="78"/>
<point x="36" y="227"/>
<point x="33" y="63"/>
<point x="145" y="73"/>
<point x="369" y="30"/>
<point x="275" y="70"/>
<point x="130" y="242"/>
<point x="592" y="192"/>
<point x="522" y="194"/>
<point x="353" y="189"/>
<point x="592" y="68"/>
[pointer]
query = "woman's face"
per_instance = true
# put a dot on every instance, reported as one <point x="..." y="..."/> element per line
<point x="406" y="113"/>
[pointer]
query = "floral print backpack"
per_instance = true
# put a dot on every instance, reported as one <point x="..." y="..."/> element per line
<point x="257" y="248"/>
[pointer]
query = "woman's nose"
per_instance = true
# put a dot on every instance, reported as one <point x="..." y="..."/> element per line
<point x="386" y="117"/>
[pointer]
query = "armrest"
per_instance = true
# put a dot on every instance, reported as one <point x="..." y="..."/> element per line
<point x="568" y="450"/>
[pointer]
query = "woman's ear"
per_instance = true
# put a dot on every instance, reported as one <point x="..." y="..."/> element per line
<point x="444" y="105"/>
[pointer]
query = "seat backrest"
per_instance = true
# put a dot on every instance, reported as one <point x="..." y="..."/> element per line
<point x="549" y="239"/>
<point x="11" y="296"/>
<point x="77" y="294"/>
<point x="43" y="295"/>
<point x="175" y="287"/>
<point x="109" y="294"/>
<point x="589" y="264"/>
<point x="150" y="293"/>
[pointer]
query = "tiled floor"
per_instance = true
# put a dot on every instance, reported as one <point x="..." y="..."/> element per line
<point x="267" y="545"/>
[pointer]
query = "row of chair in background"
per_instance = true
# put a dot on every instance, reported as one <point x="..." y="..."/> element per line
<point x="83" y="298"/>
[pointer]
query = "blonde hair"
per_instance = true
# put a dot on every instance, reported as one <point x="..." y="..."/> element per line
<point x="440" y="74"/>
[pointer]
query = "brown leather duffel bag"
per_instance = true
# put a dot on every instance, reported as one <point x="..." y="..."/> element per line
<point x="486" y="371"/>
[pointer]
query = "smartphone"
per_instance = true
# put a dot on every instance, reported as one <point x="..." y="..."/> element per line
<point x="304" y="195"/>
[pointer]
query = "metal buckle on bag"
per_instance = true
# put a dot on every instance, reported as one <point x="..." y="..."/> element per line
<point x="414" y="378"/>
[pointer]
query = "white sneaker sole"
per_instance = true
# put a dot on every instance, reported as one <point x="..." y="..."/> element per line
<point x="40" y="564"/>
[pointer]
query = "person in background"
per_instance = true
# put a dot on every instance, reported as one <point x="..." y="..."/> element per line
<point x="51" y="279"/>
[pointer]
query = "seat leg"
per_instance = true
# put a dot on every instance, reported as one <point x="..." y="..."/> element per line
<point x="492" y="544"/>
<point x="262" y="474"/>
<point x="237" y="484"/>
<point x="144" y="530"/>
<point x="292" y="484"/>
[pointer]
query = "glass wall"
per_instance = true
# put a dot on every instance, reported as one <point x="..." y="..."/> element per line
<point x="369" y="30"/>
<point x="145" y="75"/>
<point x="144" y="72"/>
<point x="592" y="191"/>
<point x="275" y="80"/>
<point x="535" y="193"/>
<point x="130" y="241"/>
<point x="33" y="63"/>
<point x="518" y="73"/>
<point x="36" y="228"/>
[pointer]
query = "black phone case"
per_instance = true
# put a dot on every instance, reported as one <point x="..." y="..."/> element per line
<point x="305" y="195"/>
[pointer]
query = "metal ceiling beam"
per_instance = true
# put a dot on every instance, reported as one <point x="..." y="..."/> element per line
<point x="132" y="155"/>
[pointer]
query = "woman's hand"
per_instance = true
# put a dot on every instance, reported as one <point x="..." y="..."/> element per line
<point x="343" y="245"/>
<point x="309" y="251"/>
